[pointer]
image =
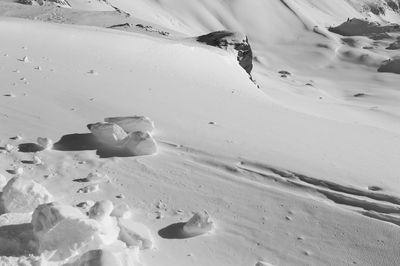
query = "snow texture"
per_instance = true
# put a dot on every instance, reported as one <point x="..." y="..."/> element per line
<point x="24" y="195"/>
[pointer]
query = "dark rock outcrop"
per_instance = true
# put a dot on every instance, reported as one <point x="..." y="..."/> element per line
<point x="395" y="45"/>
<point x="238" y="41"/>
<point x="360" y="27"/>
<point x="390" y="66"/>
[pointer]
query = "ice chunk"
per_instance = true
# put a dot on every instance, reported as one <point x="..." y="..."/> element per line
<point x="135" y="234"/>
<point x="64" y="231"/>
<point x="23" y="195"/>
<point x="199" y="224"/>
<point x="132" y="123"/>
<point x="15" y="218"/>
<point x="140" y="143"/>
<point x="45" y="143"/>
<point x="107" y="133"/>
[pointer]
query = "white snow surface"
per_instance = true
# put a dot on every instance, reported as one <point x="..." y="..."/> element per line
<point x="24" y="195"/>
<point x="303" y="170"/>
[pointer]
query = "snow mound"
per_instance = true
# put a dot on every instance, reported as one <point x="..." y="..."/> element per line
<point x="100" y="212"/>
<point x="22" y="195"/>
<point x="107" y="133"/>
<point x="390" y="66"/>
<point x="199" y="224"/>
<point x="64" y="232"/>
<point x="135" y="234"/>
<point x="122" y="211"/>
<point x="140" y="143"/>
<point x="132" y="123"/>
<point x="45" y="143"/>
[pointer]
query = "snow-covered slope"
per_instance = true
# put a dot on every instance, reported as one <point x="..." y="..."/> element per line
<point x="299" y="170"/>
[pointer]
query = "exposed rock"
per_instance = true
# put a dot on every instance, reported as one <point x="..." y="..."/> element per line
<point x="390" y="66"/>
<point x="23" y="195"/>
<point x="226" y="40"/>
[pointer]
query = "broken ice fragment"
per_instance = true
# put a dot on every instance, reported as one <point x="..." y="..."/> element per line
<point x="132" y="123"/>
<point x="199" y="224"/>
<point x="107" y="133"/>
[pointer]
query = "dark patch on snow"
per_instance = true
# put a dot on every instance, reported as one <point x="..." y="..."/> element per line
<point x="173" y="231"/>
<point x="223" y="39"/>
<point x="29" y="147"/>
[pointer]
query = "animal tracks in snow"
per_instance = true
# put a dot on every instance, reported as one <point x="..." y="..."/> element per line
<point x="370" y="202"/>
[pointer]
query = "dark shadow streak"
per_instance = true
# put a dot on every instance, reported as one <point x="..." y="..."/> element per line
<point x="29" y="147"/>
<point x="77" y="142"/>
<point x="87" y="141"/>
<point x="17" y="240"/>
<point x="173" y="231"/>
